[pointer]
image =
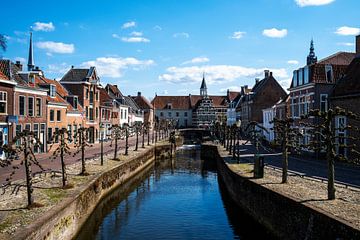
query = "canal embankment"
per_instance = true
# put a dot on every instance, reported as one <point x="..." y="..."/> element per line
<point x="296" y="210"/>
<point x="64" y="211"/>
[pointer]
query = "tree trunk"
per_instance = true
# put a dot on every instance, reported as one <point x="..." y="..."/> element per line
<point x="62" y="159"/>
<point x="148" y="136"/>
<point x="116" y="146"/>
<point x="102" y="152"/>
<point x="143" y="138"/>
<point x="126" y="141"/>
<point x="83" y="169"/>
<point x="137" y="140"/>
<point x="285" y="157"/>
<point x="28" y="173"/>
<point x="331" y="172"/>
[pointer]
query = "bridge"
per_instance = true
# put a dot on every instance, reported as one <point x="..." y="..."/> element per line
<point x="194" y="135"/>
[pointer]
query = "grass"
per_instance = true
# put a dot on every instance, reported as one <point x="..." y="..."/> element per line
<point x="54" y="194"/>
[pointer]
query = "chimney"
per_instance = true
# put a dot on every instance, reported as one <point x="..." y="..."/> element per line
<point x="246" y="87"/>
<point x="270" y="74"/>
<point x="19" y="65"/>
<point x="242" y="89"/>
<point x="266" y="73"/>
<point x="139" y="94"/>
<point x="357" y="44"/>
<point x="72" y="66"/>
<point x="257" y="80"/>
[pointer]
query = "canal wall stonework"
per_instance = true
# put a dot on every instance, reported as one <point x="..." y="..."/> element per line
<point x="282" y="215"/>
<point x="66" y="219"/>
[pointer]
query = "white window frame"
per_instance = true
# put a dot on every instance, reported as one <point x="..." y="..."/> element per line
<point x="323" y="101"/>
<point x="50" y="115"/>
<point x="24" y="105"/>
<point x="33" y="106"/>
<point x="40" y="113"/>
<point x="2" y="94"/>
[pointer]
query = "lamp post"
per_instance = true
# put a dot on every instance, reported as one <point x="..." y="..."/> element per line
<point x="238" y="125"/>
<point x="101" y="144"/>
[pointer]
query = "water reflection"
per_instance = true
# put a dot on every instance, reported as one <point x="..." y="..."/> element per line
<point x="177" y="198"/>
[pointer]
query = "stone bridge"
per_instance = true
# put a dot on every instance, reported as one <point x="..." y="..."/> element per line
<point x="194" y="135"/>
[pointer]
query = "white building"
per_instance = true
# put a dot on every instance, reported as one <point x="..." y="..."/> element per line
<point x="268" y="117"/>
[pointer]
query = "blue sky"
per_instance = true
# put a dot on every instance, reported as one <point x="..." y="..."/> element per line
<point x="164" y="46"/>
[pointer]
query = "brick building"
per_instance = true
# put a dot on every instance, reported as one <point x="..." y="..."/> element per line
<point x="312" y="84"/>
<point x="85" y="83"/>
<point x="346" y="94"/>
<point x="146" y="107"/>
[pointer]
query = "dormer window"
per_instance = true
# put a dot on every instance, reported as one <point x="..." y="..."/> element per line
<point x="32" y="79"/>
<point x="52" y="90"/>
<point x="329" y="73"/>
<point x="169" y="106"/>
<point x="75" y="102"/>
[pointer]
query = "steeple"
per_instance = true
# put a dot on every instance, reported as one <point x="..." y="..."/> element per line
<point x="31" y="64"/>
<point x="311" y="58"/>
<point x="203" y="88"/>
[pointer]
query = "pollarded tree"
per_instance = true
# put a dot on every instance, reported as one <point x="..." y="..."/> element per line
<point x="116" y="134"/>
<point x="81" y="145"/>
<point x="287" y="137"/>
<point x="147" y="131"/>
<point x="325" y="138"/>
<point x="22" y="146"/>
<point x="137" y="129"/>
<point x="61" y="137"/>
<point x="126" y="133"/>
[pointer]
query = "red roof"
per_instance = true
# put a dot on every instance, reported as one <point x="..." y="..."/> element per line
<point x="142" y="102"/>
<point x="3" y="76"/>
<point x="177" y="102"/>
<point x="339" y="58"/>
<point x="233" y="95"/>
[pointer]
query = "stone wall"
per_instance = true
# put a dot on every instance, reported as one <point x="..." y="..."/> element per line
<point x="282" y="215"/>
<point x="66" y="219"/>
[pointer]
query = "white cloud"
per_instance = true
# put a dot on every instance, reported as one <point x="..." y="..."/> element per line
<point x="231" y="88"/>
<point x="165" y="92"/>
<point x="135" y="39"/>
<point x="61" y="68"/>
<point x="305" y="3"/>
<point x="132" y="39"/>
<point x="275" y="33"/>
<point x="197" y="60"/>
<point x="346" y="44"/>
<point x="215" y="74"/>
<point x="157" y="28"/>
<point x="128" y="25"/>
<point x="114" y="66"/>
<point x="45" y="27"/>
<point x="181" y="35"/>
<point x="294" y="62"/>
<point x="136" y="34"/>
<point x="56" y="47"/>
<point x="346" y="31"/>
<point x="237" y="35"/>
<point x="21" y="59"/>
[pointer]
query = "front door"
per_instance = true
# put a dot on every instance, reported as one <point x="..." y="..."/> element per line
<point x="3" y="141"/>
<point x="91" y="135"/>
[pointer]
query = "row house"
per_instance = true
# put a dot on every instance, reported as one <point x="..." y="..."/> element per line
<point x="135" y="114"/>
<point x="264" y="94"/>
<point x="233" y="114"/>
<point x="346" y="95"/>
<point x="85" y="83"/>
<point x="312" y="84"/>
<point x="146" y="107"/>
<point x="114" y="92"/>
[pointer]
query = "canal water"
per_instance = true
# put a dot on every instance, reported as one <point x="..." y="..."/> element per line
<point x="180" y="198"/>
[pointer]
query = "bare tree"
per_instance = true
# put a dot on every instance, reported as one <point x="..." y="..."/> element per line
<point x="324" y="138"/>
<point x="61" y="150"/>
<point x="82" y="143"/>
<point x="25" y="141"/>
<point x="116" y="134"/>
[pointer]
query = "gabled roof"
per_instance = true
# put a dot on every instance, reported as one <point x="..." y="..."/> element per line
<point x="339" y="58"/>
<point x="131" y="103"/>
<point x="79" y="75"/>
<point x="142" y="102"/>
<point x="113" y="90"/>
<point x="232" y="95"/>
<point x="177" y="102"/>
<point x="104" y="97"/>
<point x="350" y="83"/>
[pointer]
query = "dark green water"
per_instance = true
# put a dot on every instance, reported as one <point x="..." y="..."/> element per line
<point x="175" y="199"/>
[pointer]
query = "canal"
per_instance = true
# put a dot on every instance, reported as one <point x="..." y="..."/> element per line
<point x="180" y="198"/>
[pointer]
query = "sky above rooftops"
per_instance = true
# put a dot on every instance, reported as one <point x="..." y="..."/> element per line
<point x="164" y="46"/>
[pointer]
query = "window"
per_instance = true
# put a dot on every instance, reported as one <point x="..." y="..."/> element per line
<point x="28" y="126"/>
<point x="340" y="129"/>
<point x="38" y="107"/>
<point x="161" y="114"/>
<point x="121" y="113"/>
<point x="36" y="134"/>
<point x="31" y="106"/>
<point x="329" y="73"/>
<point x="75" y="102"/>
<point x="125" y="112"/>
<point x="50" y="134"/>
<point x="302" y="105"/>
<point x="91" y="114"/>
<point x="17" y="131"/>
<point x="102" y="113"/>
<point x="58" y="115"/>
<point x="96" y="113"/>
<point x="185" y="114"/>
<point x="177" y="114"/>
<point x="75" y="132"/>
<point x="306" y="75"/>
<point x="52" y="90"/>
<point x="3" y="102"/>
<point x="69" y="130"/>
<point x="91" y="96"/>
<point x="87" y="93"/>
<point x="52" y="115"/>
<point x="323" y="102"/>
<point x="87" y="112"/>
<point x="21" y="105"/>
<point x="56" y="135"/>
<point x="169" y="114"/>
<point x="295" y="78"/>
<point x="300" y="76"/>
<point x="294" y="107"/>
<point x="97" y="96"/>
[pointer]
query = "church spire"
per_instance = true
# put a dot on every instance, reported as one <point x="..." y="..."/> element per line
<point x="311" y="58"/>
<point x="31" y="64"/>
<point x="203" y="88"/>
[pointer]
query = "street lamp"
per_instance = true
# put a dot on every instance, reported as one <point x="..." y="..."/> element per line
<point x="238" y="125"/>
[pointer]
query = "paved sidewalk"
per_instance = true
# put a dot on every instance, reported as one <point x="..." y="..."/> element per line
<point x="345" y="173"/>
<point x="47" y="162"/>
